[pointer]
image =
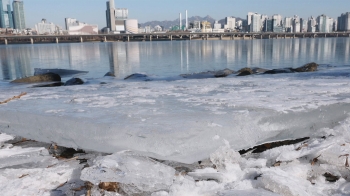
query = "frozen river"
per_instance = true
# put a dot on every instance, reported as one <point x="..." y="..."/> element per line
<point x="172" y="117"/>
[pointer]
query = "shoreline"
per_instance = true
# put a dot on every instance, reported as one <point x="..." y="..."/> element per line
<point x="149" y="37"/>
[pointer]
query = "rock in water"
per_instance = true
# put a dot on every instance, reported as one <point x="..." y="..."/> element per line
<point x="55" y="84"/>
<point x="109" y="74"/>
<point x="74" y="81"/>
<point x="307" y="68"/>
<point x="47" y="77"/>
<point x="61" y="72"/>
<point x="278" y="71"/>
<point x="245" y="71"/>
<point x="223" y="73"/>
<point x="136" y="76"/>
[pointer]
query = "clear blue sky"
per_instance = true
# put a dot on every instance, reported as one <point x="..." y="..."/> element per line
<point x="93" y="11"/>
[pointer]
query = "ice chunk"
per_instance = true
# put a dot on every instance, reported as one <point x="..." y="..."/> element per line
<point x="136" y="173"/>
<point x="207" y="174"/>
<point x="282" y="183"/>
<point x="226" y="161"/>
<point x="4" y="138"/>
<point x="38" y="181"/>
<point x="224" y="157"/>
<point x="185" y="185"/>
<point x="251" y="192"/>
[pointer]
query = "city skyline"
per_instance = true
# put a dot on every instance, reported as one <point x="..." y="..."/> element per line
<point x="160" y="10"/>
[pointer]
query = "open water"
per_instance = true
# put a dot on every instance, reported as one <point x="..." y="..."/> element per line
<point x="171" y="58"/>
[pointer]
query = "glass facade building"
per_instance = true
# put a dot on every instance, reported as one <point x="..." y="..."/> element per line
<point x="18" y="15"/>
<point x="6" y="17"/>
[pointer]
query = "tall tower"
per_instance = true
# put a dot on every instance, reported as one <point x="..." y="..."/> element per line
<point x="2" y="15"/>
<point x="180" y="21"/>
<point x="18" y="15"/>
<point x="186" y="21"/>
<point x="110" y="15"/>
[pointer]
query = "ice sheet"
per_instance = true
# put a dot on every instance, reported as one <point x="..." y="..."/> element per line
<point x="183" y="120"/>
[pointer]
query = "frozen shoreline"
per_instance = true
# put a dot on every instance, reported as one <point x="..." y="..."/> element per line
<point x="316" y="166"/>
<point x="181" y="121"/>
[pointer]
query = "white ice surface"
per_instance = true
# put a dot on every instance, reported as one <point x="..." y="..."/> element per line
<point x="183" y="120"/>
<point x="32" y="171"/>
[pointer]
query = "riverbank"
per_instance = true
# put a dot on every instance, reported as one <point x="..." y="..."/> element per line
<point x="176" y="36"/>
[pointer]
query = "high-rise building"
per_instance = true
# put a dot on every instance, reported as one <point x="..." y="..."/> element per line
<point x="324" y="24"/>
<point x="249" y="20"/>
<point x="6" y="19"/>
<point x="268" y="25"/>
<point x="230" y="23"/>
<point x="256" y="24"/>
<point x="344" y="22"/>
<point x="303" y="25"/>
<point x="311" y="25"/>
<point x="110" y="15"/>
<point x="18" y="15"/>
<point x="278" y="20"/>
<point x="288" y="22"/>
<point x="296" y="24"/>
<point x="44" y="27"/>
<point x="2" y="15"/>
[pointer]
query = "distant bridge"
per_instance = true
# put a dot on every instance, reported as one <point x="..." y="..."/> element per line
<point x="32" y="39"/>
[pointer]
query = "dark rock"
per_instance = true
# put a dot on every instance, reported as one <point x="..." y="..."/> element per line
<point x="279" y="71"/>
<point x="49" y="85"/>
<point x="258" y="70"/>
<point x="61" y="72"/>
<point x="200" y="75"/>
<point x="109" y="74"/>
<point x="263" y="147"/>
<point x="74" y="81"/>
<point x="136" y="76"/>
<point x="307" y="68"/>
<point x="109" y="186"/>
<point x="330" y="177"/>
<point x="223" y="73"/>
<point x="47" y="77"/>
<point x="245" y="71"/>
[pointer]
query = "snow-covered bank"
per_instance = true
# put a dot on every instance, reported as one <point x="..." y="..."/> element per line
<point x="182" y="120"/>
<point x="317" y="166"/>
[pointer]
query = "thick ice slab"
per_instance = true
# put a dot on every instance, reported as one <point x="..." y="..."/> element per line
<point x="182" y="120"/>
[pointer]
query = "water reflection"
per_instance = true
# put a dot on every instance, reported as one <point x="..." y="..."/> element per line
<point x="170" y="58"/>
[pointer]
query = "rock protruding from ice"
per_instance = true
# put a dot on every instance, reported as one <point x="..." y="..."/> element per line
<point x="223" y="73"/>
<point x="74" y="81"/>
<point x="137" y="76"/>
<point x="245" y="71"/>
<point x="61" y="72"/>
<point x="307" y="67"/>
<point x="47" y="77"/>
<point x="136" y="174"/>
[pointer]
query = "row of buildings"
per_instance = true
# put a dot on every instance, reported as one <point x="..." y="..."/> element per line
<point x="12" y="19"/>
<point x="262" y="23"/>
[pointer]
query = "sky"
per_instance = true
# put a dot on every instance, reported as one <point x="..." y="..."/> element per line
<point x="93" y="11"/>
